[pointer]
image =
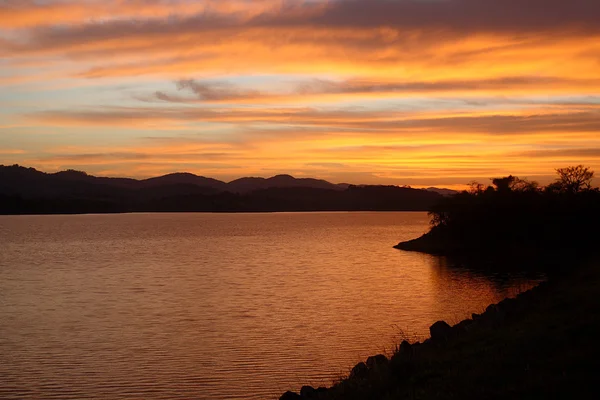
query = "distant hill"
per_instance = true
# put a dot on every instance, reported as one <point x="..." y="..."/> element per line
<point x="443" y="192"/>
<point x="185" y="179"/>
<point x="245" y="185"/>
<point x="29" y="191"/>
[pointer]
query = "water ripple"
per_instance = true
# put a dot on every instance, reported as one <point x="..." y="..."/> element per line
<point x="202" y="306"/>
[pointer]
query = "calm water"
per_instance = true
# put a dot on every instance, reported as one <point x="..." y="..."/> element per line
<point x="203" y="306"/>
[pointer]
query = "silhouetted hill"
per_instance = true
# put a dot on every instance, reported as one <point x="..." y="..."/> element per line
<point x="185" y="179"/>
<point x="246" y="185"/>
<point x="442" y="191"/>
<point x="28" y="182"/>
<point x="28" y="191"/>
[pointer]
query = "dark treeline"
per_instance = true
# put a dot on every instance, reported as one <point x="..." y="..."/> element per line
<point x="28" y="191"/>
<point x="517" y="219"/>
<point x="544" y="343"/>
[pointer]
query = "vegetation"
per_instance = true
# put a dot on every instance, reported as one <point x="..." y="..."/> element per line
<point x="541" y="345"/>
<point x="516" y="219"/>
<point x="544" y="343"/>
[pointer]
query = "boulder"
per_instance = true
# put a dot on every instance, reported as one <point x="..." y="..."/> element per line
<point x="491" y="309"/>
<point x="308" y="392"/>
<point x="463" y="326"/>
<point x="290" y="396"/>
<point x="405" y="351"/>
<point x="495" y="313"/>
<point x="377" y="361"/>
<point x="440" y="331"/>
<point x="507" y="304"/>
<point x="401" y="361"/>
<point x="360" y="371"/>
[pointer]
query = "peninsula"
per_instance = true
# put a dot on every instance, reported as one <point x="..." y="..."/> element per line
<point x="543" y="343"/>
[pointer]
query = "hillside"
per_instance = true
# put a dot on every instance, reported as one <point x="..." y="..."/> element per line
<point x="28" y="191"/>
<point x="516" y="222"/>
<point x="541" y="345"/>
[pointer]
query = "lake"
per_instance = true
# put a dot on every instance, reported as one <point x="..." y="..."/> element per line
<point x="215" y="306"/>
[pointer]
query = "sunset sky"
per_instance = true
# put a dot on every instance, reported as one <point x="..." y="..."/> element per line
<point x="417" y="92"/>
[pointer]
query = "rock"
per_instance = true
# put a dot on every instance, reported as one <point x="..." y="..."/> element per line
<point x="405" y="351"/>
<point x="440" y="331"/>
<point x="401" y="360"/>
<point x="377" y="361"/>
<point x="495" y="313"/>
<point x="360" y="371"/>
<point x="507" y="304"/>
<point x="378" y="367"/>
<point x="308" y="392"/>
<point x="475" y="317"/>
<point x="510" y="307"/>
<point x="463" y="326"/>
<point x="290" y="396"/>
<point x="492" y="308"/>
<point x="321" y="393"/>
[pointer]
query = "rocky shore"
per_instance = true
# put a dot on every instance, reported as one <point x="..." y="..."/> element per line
<point x="541" y="344"/>
<point x="429" y="244"/>
<point x="544" y="343"/>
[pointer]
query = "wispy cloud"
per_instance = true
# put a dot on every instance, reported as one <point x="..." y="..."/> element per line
<point x="386" y="90"/>
<point x="368" y="121"/>
<point x="194" y="92"/>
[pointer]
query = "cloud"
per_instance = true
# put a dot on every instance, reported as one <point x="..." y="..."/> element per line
<point x="463" y="15"/>
<point x="387" y="90"/>
<point x="27" y="13"/>
<point x="12" y="152"/>
<point x="393" y="37"/>
<point x="136" y="157"/>
<point x="215" y="91"/>
<point x="363" y="121"/>
<point x="327" y="165"/>
<point x="578" y="153"/>
<point x="333" y="91"/>
<point x="455" y="15"/>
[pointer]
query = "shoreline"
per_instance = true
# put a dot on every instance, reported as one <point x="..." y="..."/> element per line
<point x="425" y="244"/>
<point x="494" y="347"/>
<point x="216" y="212"/>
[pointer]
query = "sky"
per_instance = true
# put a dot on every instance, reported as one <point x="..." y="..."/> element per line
<point x="406" y="92"/>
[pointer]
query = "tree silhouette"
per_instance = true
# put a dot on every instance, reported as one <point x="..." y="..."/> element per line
<point x="476" y="187"/>
<point x="573" y="179"/>
<point x="504" y="184"/>
<point x="510" y="184"/>
<point x="517" y="219"/>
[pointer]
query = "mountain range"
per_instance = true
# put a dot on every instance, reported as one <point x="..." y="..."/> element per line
<point x="27" y="190"/>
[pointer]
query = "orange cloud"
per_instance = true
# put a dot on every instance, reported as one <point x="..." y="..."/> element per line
<point x="490" y="123"/>
<point x="394" y="39"/>
<point x="391" y="91"/>
<point x="319" y="90"/>
<point x="29" y="13"/>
